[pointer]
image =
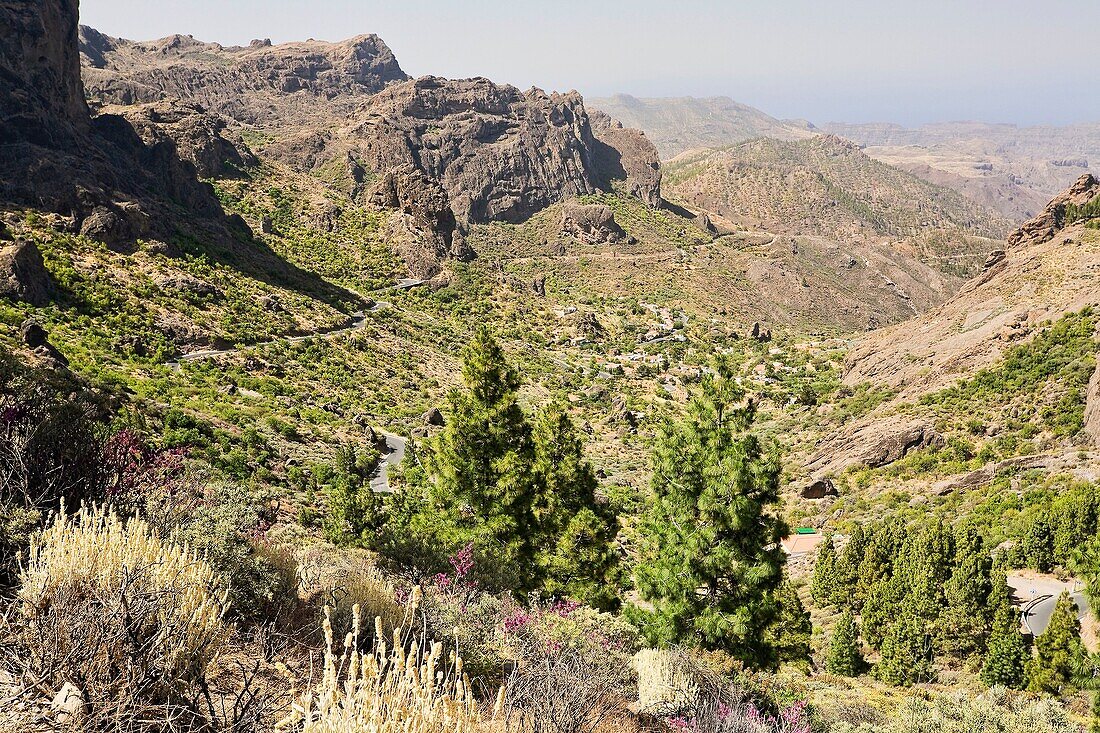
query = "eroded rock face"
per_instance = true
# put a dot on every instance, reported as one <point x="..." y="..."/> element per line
<point x="23" y="274"/>
<point x="1047" y="224"/>
<point x="627" y="156"/>
<point x="424" y="229"/>
<point x="260" y="83"/>
<point x="55" y="157"/>
<point x="591" y="224"/>
<point x="1092" y="407"/>
<point x="501" y="155"/>
<point x="199" y="138"/>
<point x="41" y="99"/>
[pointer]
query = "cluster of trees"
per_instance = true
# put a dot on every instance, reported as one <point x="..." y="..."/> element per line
<point x="515" y="488"/>
<point x="928" y="592"/>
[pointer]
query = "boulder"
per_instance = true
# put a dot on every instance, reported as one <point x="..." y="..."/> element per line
<point x="538" y="286"/>
<point x="591" y="224"/>
<point x="23" y="274"/>
<point x="433" y="418"/>
<point x="703" y="221"/>
<point x="819" y="489"/>
<point x="32" y="334"/>
<point x="760" y="333"/>
<point x="895" y="445"/>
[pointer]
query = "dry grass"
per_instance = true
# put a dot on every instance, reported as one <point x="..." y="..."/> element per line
<point x="406" y="688"/>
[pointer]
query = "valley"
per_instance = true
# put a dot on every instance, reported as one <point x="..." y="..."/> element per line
<point x="552" y="380"/>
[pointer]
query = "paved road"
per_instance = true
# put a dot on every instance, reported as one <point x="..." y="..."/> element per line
<point x="1036" y="594"/>
<point x="1037" y="613"/>
<point x="395" y="453"/>
<point x="358" y="320"/>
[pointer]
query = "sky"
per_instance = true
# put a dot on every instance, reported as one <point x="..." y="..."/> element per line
<point x="903" y="61"/>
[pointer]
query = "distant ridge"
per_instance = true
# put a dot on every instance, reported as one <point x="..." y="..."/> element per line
<point x="679" y="124"/>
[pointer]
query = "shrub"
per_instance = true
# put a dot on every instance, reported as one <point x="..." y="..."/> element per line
<point x="127" y="618"/>
<point x="405" y="688"/>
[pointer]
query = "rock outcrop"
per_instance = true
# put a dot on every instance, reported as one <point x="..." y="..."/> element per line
<point x="259" y="83"/>
<point x="627" y="156"/>
<point x="498" y="153"/>
<point x="1052" y="219"/>
<point x="423" y="229"/>
<point x="1092" y="407"/>
<point x="55" y="156"/>
<point x="23" y="274"/>
<point x="200" y="138"/>
<point x="591" y="224"/>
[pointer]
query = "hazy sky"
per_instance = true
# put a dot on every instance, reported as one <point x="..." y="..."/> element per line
<point x="908" y="61"/>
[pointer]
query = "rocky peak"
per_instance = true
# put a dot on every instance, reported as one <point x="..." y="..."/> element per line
<point x="255" y="83"/>
<point x="1052" y="219"/>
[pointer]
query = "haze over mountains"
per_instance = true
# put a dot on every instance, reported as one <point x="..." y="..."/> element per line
<point x="1014" y="170"/>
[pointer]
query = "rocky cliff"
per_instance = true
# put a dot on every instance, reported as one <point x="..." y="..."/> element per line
<point x="96" y="172"/>
<point x="497" y="153"/>
<point x="257" y="84"/>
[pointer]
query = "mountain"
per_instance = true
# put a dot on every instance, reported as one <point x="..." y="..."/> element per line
<point x="1001" y="377"/>
<point x="96" y="172"/>
<point x="679" y="124"/>
<point x="346" y="112"/>
<point x="1016" y="169"/>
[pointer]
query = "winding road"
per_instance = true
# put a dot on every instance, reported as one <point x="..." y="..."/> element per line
<point x="395" y="453"/>
<point x="358" y="320"/>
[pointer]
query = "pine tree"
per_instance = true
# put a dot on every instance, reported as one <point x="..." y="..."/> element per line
<point x="845" y="656"/>
<point x="1006" y="654"/>
<point x="923" y="567"/>
<point x="847" y="568"/>
<point x="792" y="631"/>
<point x="880" y="609"/>
<point x="711" y="560"/>
<point x="824" y="584"/>
<point x="577" y="532"/>
<point x="906" y="652"/>
<point x="883" y="540"/>
<point x="479" y="483"/>
<point x="963" y="623"/>
<point x="1058" y="650"/>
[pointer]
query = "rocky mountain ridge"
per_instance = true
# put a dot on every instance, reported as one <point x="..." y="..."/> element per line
<point x="346" y="112"/>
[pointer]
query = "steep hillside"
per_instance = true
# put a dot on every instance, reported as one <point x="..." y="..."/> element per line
<point x="824" y="186"/>
<point x="1000" y="380"/>
<point x="679" y="124"/>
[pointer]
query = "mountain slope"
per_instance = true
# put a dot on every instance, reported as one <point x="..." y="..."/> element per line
<point x="994" y="381"/>
<point x="679" y="124"/>
<point x="348" y="114"/>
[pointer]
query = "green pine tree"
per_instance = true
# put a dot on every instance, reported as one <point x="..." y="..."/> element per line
<point x="1058" y="650"/>
<point x="845" y="656"/>
<point x="792" y="631"/>
<point x="577" y="531"/>
<point x="923" y="567"/>
<point x="845" y="590"/>
<point x="824" y="585"/>
<point x="880" y="609"/>
<point x="963" y="624"/>
<point x="1006" y="654"/>
<point x="710" y="560"/>
<point x="478" y="484"/>
<point x="906" y="652"/>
